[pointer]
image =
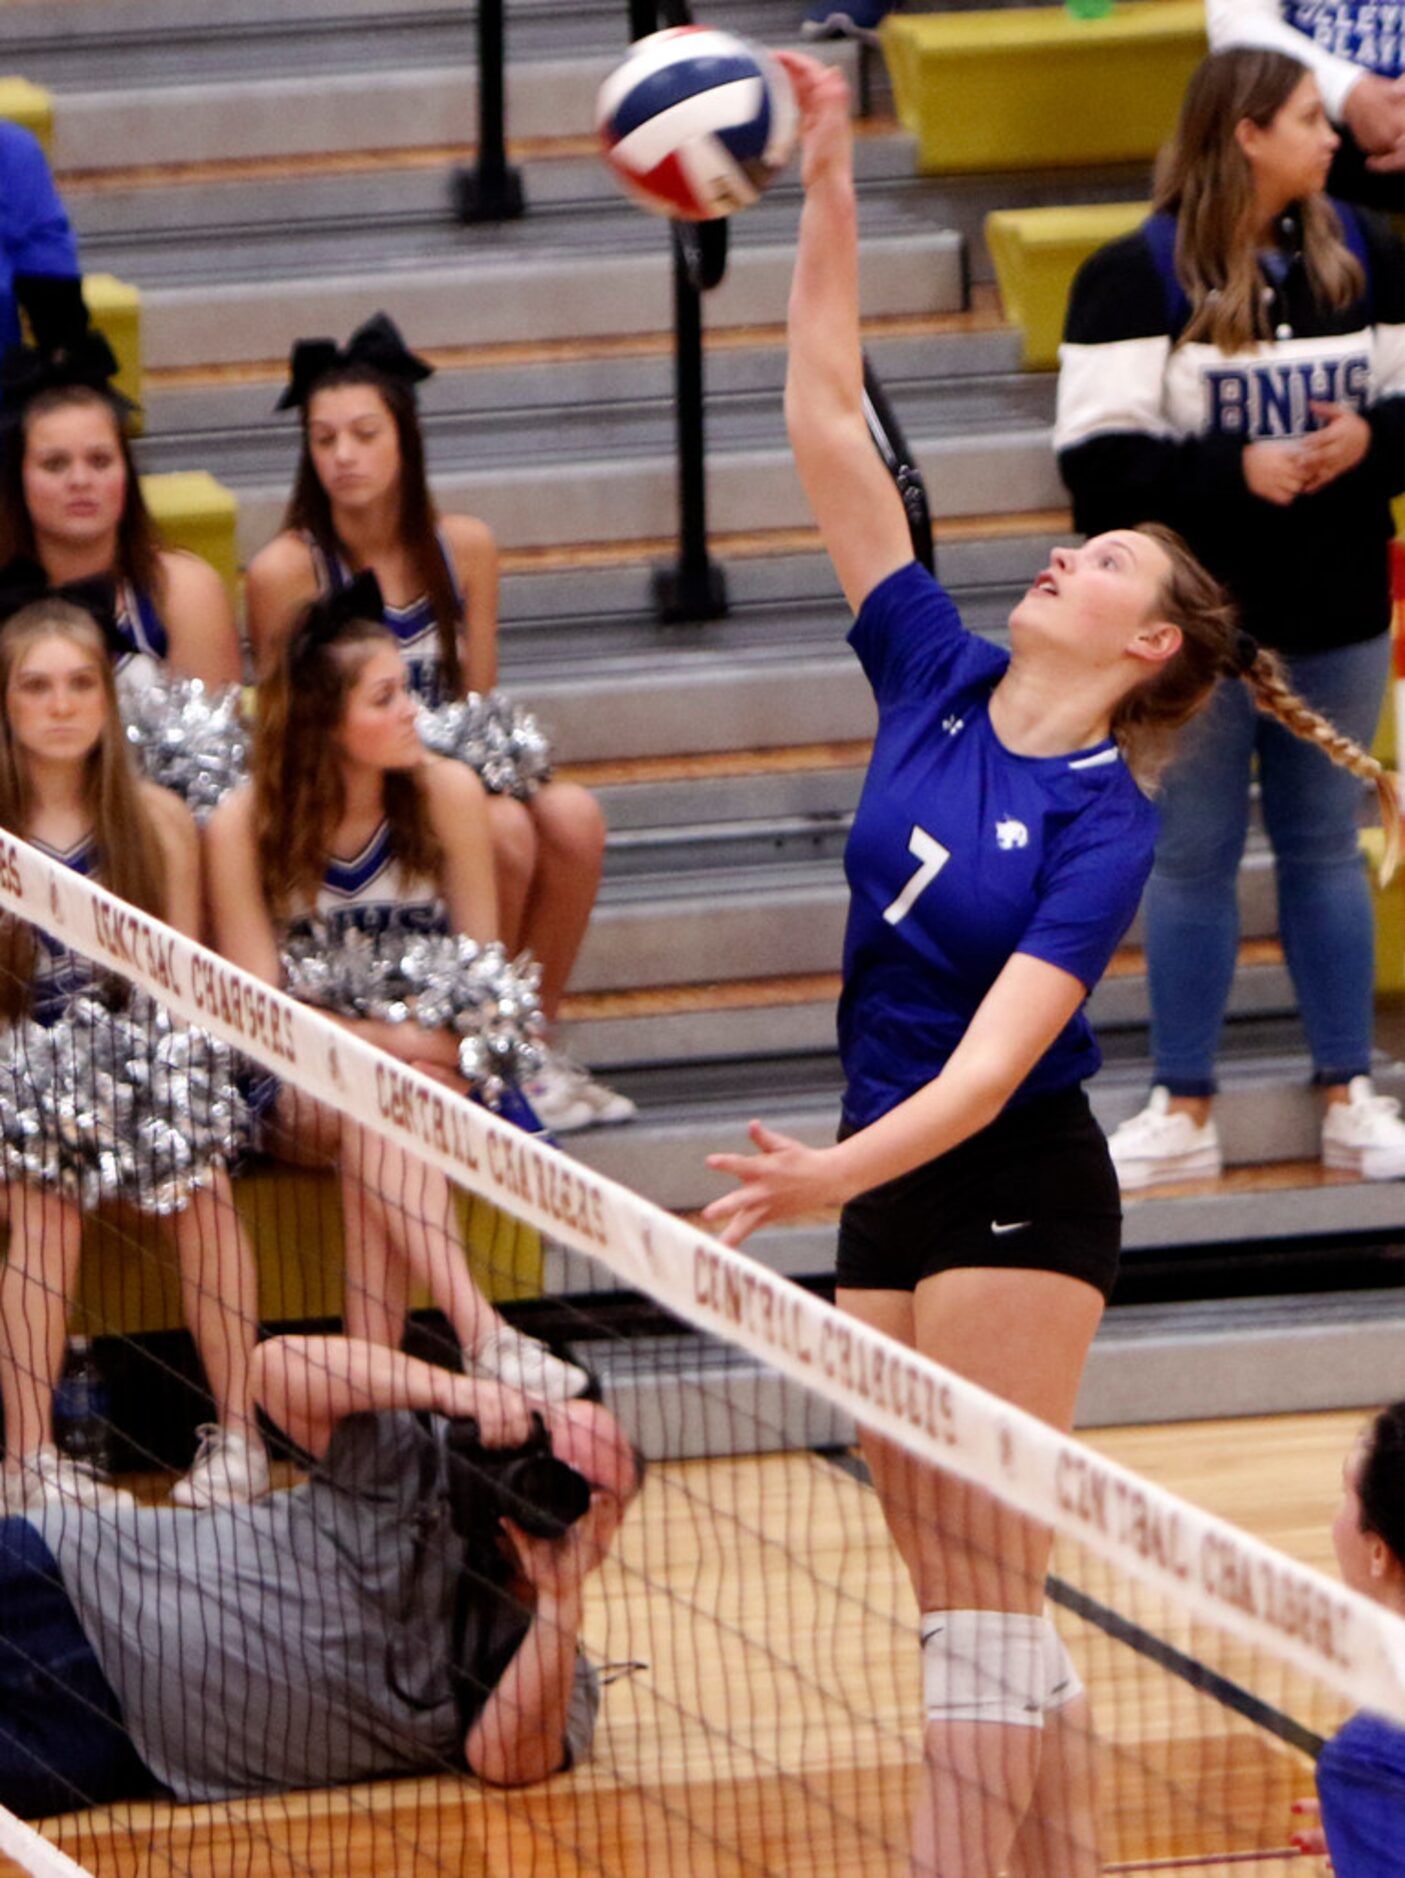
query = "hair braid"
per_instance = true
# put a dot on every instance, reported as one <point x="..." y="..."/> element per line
<point x="1275" y="697"/>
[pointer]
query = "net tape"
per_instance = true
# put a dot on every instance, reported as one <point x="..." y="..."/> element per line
<point x="1210" y="1568"/>
<point x="36" y="1854"/>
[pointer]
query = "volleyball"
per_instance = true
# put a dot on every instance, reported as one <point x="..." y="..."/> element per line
<point x="696" y="122"/>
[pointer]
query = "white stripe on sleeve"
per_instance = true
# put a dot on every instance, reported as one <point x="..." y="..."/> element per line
<point x="1113" y="387"/>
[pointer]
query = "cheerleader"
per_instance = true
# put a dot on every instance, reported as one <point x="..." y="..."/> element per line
<point x="68" y="786"/>
<point x="361" y="501"/>
<point x="71" y="500"/>
<point x="997" y="856"/>
<point x="348" y="819"/>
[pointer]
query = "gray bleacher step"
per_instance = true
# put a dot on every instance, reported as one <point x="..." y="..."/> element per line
<point x="805" y="1027"/>
<point x="1267" y="1114"/>
<point x="1249" y="1356"/>
<point x="665" y="926"/>
<point x="609" y="446"/>
<point x="688" y="1396"/>
<point x="759" y="797"/>
<point x="300" y="114"/>
<point x="406" y="99"/>
<point x="487" y="299"/>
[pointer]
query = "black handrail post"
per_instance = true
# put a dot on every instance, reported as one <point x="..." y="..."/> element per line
<point x="695" y="587"/>
<point x="492" y="191"/>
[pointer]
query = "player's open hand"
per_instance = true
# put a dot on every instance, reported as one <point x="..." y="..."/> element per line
<point x="826" y="124"/>
<point x="783" y="1179"/>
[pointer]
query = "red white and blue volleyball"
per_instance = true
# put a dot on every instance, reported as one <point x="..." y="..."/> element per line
<point x="697" y="122"/>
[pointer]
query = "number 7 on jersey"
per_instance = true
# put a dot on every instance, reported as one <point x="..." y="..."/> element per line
<point x="932" y="858"/>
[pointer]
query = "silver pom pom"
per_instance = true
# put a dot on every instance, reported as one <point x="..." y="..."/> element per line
<point x="499" y="739"/>
<point x="188" y="738"/>
<point x="118" y="1100"/>
<point x="442" y="981"/>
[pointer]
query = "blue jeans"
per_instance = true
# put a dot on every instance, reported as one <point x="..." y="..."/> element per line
<point x="1310" y="809"/>
<point x="62" y="1742"/>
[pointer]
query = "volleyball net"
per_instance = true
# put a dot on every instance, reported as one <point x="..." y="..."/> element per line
<point x="752" y="1636"/>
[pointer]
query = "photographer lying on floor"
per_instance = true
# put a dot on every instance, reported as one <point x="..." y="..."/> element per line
<point x="392" y="1614"/>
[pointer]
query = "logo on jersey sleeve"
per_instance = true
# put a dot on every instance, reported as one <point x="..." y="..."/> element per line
<point x="1011" y="834"/>
<point x="953" y="724"/>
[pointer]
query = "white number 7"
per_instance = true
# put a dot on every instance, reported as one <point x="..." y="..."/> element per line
<point x="933" y="857"/>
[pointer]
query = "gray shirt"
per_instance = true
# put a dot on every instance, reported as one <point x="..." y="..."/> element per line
<point x="301" y="1641"/>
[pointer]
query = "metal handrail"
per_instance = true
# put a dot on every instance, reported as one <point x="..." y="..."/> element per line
<point x="491" y="191"/>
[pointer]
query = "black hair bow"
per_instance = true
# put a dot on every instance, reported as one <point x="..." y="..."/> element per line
<point x="25" y="372"/>
<point x="323" y="618"/>
<point x="23" y="582"/>
<point x="377" y="345"/>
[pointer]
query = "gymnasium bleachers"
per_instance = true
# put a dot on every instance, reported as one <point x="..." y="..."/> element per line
<point x="267" y="168"/>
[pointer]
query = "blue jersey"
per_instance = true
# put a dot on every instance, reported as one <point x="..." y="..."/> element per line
<point x="60" y="973"/>
<point x="146" y="643"/>
<point x="35" y="236"/>
<point x="1361" y="1784"/>
<point x="964" y="853"/>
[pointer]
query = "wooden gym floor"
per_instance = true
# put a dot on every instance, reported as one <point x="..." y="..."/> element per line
<point x="771" y="1722"/>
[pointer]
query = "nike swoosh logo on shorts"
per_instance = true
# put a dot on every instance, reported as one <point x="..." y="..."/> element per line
<point x="1015" y="1225"/>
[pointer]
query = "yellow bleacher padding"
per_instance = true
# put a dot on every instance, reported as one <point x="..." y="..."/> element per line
<point x="114" y="307"/>
<point x="129" y="1281"/>
<point x="1037" y="252"/>
<point x="194" y="511"/>
<point x="30" y="105"/>
<point x="1034" y="87"/>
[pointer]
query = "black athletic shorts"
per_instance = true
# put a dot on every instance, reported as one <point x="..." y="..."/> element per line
<point x="1036" y="1189"/>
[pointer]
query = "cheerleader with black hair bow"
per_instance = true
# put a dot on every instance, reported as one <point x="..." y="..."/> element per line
<point x="361" y="501"/>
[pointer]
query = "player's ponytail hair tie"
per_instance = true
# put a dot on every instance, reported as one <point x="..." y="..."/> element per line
<point x="24" y="583"/>
<point x="88" y="364"/>
<point x="1243" y="653"/>
<point x="323" y="619"/>
<point x="377" y="346"/>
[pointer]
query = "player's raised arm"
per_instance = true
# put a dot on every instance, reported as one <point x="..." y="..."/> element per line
<point x="855" y="503"/>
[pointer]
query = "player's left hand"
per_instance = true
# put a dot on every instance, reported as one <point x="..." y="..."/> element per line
<point x="1339" y="446"/>
<point x="783" y="1179"/>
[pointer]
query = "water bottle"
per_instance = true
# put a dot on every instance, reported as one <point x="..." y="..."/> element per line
<point x="82" y="1427"/>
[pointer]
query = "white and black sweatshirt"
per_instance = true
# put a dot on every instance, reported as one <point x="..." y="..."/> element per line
<point x="1152" y="430"/>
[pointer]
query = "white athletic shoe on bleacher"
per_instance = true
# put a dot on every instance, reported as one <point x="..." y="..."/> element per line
<point x="1364" y="1135"/>
<point x="46" y="1474"/>
<point x="523" y="1363"/>
<point x="228" y="1470"/>
<point x="1163" y="1143"/>
<point x="567" y="1097"/>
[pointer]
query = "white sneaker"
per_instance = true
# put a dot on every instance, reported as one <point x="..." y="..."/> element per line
<point x="1364" y="1135"/>
<point x="228" y="1470"/>
<point x="556" y="1095"/>
<point x="1163" y="1143"/>
<point x="523" y="1363"/>
<point x="47" y="1474"/>
<point x="570" y="1089"/>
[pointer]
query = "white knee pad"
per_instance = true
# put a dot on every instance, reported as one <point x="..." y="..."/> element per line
<point x="1000" y="1666"/>
<point x="1062" y="1683"/>
<point x="985" y="1666"/>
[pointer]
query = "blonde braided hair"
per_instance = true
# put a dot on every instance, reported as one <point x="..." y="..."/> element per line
<point x="1275" y="697"/>
<point x="1214" y="646"/>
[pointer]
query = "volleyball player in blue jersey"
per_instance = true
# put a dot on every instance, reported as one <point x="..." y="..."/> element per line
<point x="997" y="857"/>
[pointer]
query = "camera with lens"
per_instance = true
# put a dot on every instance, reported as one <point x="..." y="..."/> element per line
<point x="529" y="1485"/>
